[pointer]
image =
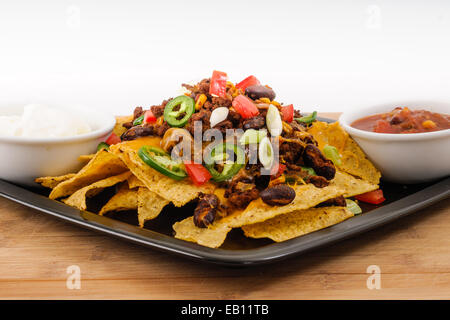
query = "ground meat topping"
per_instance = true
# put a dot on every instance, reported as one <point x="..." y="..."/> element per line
<point x="235" y="118"/>
<point x="199" y="88"/>
<point x="338" y="202"/>
<point x="256" y="123"/>
<point x="160" y="130"/>
<point x="205" y="212"/>
<point x="221" y="102"/>
<point x="145" y="130"/>
<point x="318" y="181"/>
<point x="291" y="150"/>
<point x="314" y="158"/>
<point x="202" y="116"/>
<point x="158" y="111"/>
<point x="241" y="190"/>
<point x="223" y="126"/>
<point x="138" y="111"/>
<point x="242" y="195"/>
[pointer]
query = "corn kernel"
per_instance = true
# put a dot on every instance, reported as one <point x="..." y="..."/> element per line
<point x="428" y="124"/>
<point x="276" y="103"/>
<point x="200" y="101"/>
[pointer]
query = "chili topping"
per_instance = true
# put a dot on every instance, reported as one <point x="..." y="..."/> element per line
<point x="404" y="120"/>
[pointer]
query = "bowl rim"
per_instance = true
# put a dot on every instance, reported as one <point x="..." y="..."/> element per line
<point x="346" y="119"/>
<point x="105" y="127"/>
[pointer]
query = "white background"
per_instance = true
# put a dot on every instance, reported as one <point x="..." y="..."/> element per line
<point x="324" y="55"/>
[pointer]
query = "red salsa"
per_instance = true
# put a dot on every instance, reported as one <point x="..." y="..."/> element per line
<point x="404" y="120"/>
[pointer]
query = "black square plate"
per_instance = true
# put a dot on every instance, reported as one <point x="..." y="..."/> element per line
<point x="237" y="249"/>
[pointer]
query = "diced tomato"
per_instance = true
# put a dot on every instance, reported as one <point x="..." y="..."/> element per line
<point x="277" y="170"/>
<point x="198" y="173"/>
<point x="373" y="197"/>
<point x="218" y="85"/>
<point x="383" y="126"/>
<point x="287" y="113"/>
<point x="113" y="139"/>
<point x="245" y="107"/>
<point x="149" y="117"/>
<point x="247" y="82"/>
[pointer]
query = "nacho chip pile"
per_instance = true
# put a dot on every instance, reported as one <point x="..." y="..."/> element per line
<point x="140" y="188"/>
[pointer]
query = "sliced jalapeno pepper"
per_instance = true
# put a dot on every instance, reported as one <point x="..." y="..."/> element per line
<point x="102" y="145"/>
<point x="220" y="154"/>
<point x="178" y="118"/>
<point x="307" y="119"/>
<point x="161" y="161"/>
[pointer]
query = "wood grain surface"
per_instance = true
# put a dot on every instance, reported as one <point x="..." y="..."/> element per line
<point x="412" y="253"/>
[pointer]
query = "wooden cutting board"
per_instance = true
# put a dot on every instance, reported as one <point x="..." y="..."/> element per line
<point x="36" y="250"/>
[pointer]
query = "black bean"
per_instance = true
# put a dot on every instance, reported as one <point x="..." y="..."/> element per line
<point x="258" y="91"/>
<point x="279" y="195"/>
<point x="136" y="132"/>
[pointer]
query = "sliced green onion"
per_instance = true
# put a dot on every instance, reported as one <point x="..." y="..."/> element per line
<point x="353" y="207"/>
<point x="265" y="153"/>
<point x="138" y="121"/>
<point x="332" y="153"/>
<point x="218" y="115"/>
<point x="252" y="136"/>
<point x="273" y="121"/>
<point x="186" y="110"/>
<point x="102" y="145"/>
<point x="307" y="119"/>
<point x="310" y="171"/>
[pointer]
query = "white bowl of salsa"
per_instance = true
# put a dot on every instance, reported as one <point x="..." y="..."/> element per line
<point x="408" y="145"/>
<point x="47" y="139"/>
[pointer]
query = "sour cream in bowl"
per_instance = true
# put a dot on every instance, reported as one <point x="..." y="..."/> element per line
<point x="46" y="139"/>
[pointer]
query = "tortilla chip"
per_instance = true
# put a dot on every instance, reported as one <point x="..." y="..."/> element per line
<point x="257" y="213"/>
<point x="103" y="165"/>
<point x="124" y="199"/>
<point x="177" y="192"/>
<point x="78" y="199"/>
<point x="297" y="223"/>
<point x="150" y="205"/>
<point x="212" y="237"/>
<point x="134" y="182"/>
<point x="119" y="129"/>
<point x="351" y="185"/>
<point x="354" y="160"/>
<point x="52" y="182"/>
<point x="86" y="157"/>
<point x="307" y="196"/>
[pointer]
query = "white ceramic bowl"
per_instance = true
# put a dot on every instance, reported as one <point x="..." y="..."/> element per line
<point x="404" y="158"/>
<point x="24" y="159"/>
